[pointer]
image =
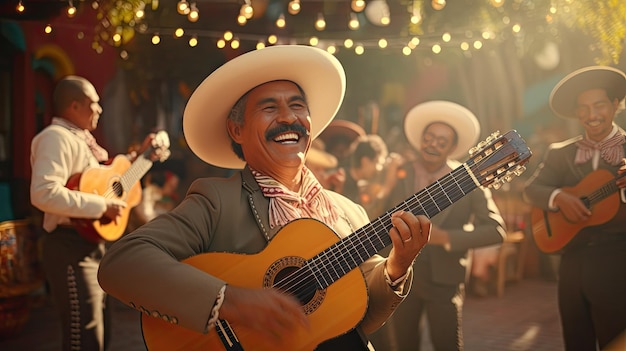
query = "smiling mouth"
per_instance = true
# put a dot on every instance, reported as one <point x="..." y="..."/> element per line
<point x="287" y="138"/>
<point x="594" y="123"/>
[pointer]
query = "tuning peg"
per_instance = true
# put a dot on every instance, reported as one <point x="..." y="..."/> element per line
<point x="508" y="177"/>
<point x="473" y="150"/>
<point x="519" y="170"/>
<point x="496" y="184"/>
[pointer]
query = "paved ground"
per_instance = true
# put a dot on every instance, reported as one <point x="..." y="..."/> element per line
<point x="525" y="318"/>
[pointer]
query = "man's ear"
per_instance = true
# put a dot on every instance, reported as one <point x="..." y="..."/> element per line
<point x="234" y="130"/>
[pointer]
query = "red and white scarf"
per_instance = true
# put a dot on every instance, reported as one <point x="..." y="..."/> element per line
<point x="98" y="151"/>
<point x="611" y="150"/>
<point x="286" y="205"/>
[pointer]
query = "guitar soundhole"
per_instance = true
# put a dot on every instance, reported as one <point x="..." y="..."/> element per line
<point x="117" y="189"/>
<point x="286" y="274"/>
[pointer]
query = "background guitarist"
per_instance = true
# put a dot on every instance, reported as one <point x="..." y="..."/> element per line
<point x="592" y="271"/>
<point x="257" y="113"/>
<point x="64" y="148"/>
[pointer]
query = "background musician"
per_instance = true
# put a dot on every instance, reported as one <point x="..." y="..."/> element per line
<point x="592" y="271"/>
<point x="61" y="150"/>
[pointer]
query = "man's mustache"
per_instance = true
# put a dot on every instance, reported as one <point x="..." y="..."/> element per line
<point x="285" y="128"/>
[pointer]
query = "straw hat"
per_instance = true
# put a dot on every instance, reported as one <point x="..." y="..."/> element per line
<point x="317" y="156"/>
<point x="318" y="73"/>
<point x="456" y="116"/>
<point x="563" y="96"/>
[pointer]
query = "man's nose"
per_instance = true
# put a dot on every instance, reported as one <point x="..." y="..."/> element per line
<point x="285" y="114"/>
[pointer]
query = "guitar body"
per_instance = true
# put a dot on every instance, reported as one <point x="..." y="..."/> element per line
<point x="552" y="231"/>
<point x="105" y="181"/>
<point x="331" y="312"/>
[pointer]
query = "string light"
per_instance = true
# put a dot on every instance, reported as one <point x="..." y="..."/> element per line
<point x="194" y="14"/>
<point x="438" y="4"/>
<point x="47" y="29"/>
<point x="354" y="21"/>
<point x="234" y="44"/>
<point x="294" y="7"/>
<point x="127" y="18"/>
<point x="241" y="20"/>
<point x="359" y="49"/>
<point x="246" y="10"/>
<point x="71" y="10"/>
<point x="20" y="7"/>
<point x="320" y="23"/>
<point x="182" y="7"/>
<point x="156" y="39"/>
<point x="193" y="41"/>
<point x="280" y="21"/>
<point x="357" y="5"/>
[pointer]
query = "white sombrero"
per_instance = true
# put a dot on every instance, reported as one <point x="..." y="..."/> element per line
<point x="563" y="96"/>
<point x="458" y="117"/>
<point x="318" y="73"/>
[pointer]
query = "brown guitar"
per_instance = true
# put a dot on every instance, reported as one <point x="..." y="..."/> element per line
<point x="308" y="260"/>
<point x="119" y="180"/>
<point x="553" y="231"/>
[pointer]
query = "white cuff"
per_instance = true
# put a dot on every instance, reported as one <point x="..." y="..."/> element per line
<point x="551" y="199"/>
<point x="396" y="283"/>
<point x="215" y="312"/>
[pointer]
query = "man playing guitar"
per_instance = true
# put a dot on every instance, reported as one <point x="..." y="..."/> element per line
<point x="63" y="149"/>
<point x="592" y="269"/>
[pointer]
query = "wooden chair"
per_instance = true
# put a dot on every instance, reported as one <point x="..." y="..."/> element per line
<point x="514" y="247"/>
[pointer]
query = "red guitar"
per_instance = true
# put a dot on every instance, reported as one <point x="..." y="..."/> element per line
<point x="308" y="260"/>
<point x="119" y="180"/>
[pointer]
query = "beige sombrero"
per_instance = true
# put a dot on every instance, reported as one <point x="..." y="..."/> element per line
<point x="318" y="73"/>
<point x="563" y="96"/>
<point x="458" y="117"/>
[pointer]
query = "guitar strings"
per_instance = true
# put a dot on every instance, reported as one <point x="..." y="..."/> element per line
<point x="382" y="222"/>
<point x="349" y="249"/>
<point x="135" y="171"/>
<point x="297" y="279"/>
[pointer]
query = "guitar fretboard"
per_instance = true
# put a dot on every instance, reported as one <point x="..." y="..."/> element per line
<point x="349" y="252"/>
<point x="136" y="170"/>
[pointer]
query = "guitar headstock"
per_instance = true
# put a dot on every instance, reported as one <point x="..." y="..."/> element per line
<point x="499" y="158"/>
<point x="160" y="147"/>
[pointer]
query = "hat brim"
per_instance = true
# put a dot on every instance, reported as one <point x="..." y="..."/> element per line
<point x="564" y="94"/>
<point x="342" y="128"/>
<point x="320" y="158"/>
<point x="456" y="116"/>
<point x="317" y="72"/>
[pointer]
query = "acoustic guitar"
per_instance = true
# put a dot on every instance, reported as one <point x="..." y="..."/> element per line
<point x="308" y="260"/>
<point x="552" y="231"/>
<point x="119" y="180"/>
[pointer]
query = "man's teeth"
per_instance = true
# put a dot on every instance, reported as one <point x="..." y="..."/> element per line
<point x="289" y="137"/>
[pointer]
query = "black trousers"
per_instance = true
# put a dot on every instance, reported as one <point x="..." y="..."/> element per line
<point x="71" y="266"/>
<point x="442" y="306"/>
<point x="592" y="295"/>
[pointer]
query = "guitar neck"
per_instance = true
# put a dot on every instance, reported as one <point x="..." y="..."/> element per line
<point x="137" y="169"/>
<point x="349" y="252"/>
<point x="606" y="190"/>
